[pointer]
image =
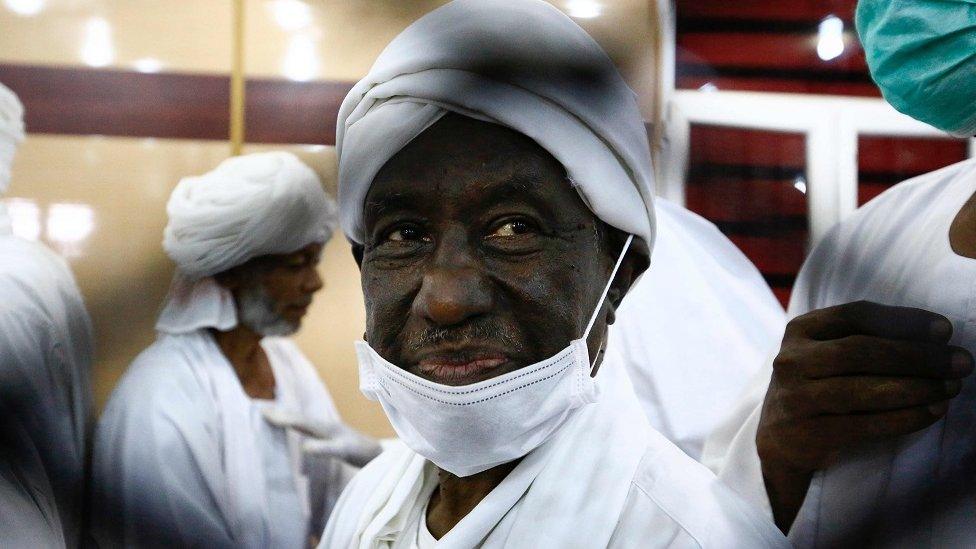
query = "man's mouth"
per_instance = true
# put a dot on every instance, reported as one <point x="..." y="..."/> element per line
<point x="461" y="367"/>
<point x="300" y="307"/>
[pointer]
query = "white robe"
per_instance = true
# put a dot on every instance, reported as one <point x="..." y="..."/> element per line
<point x="914" y="491"/>
<point x="45" y="396"/>
<point x="695" y="328"/>
<point x="605" y="479"/>
<point x="184" y="457"/>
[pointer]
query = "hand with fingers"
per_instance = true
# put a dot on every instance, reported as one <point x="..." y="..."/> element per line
<point x="324" y="441"/>
<point x="850" y="374"/>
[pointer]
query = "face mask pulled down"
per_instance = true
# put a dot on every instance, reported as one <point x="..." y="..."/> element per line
<point x="471" y="428"/>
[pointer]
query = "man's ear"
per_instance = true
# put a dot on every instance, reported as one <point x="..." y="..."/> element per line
<point x="357" y="254"/>
<point x="634" y="264"/>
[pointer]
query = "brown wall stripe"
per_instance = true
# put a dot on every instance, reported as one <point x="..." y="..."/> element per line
<point x="81" y="101"/>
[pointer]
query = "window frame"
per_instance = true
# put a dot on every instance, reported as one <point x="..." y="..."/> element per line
<point x="831" y="126"/>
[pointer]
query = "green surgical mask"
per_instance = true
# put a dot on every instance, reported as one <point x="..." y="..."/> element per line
<point x="922" y="54"/>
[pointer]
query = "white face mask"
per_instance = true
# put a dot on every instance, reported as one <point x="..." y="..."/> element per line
<point x="471" y="428"/>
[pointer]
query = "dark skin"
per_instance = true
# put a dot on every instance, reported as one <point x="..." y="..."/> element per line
<point x="290" y="280"/>
<point x="480" y="259"/>
<point x="852" y="374"/>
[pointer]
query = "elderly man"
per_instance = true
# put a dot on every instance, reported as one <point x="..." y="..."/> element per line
<point x="495" y="180"/>
<point x="862" y="432"/>
<point x="184" y="455"/>
<point x="45" y="393"/>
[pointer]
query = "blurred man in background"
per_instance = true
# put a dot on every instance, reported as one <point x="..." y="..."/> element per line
<point x="196" y="445"/>
<point x="45" y="388"/>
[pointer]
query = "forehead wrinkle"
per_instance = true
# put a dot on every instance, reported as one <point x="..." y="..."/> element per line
<point x="392" y="201"/>
<point x="521" y="183"/>
<point x="525" y="186"/>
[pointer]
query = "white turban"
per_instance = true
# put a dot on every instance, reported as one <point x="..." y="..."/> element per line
<point x="11" y="133"/>
<point x="518" y="63"/>
<point x="248" y="206"/>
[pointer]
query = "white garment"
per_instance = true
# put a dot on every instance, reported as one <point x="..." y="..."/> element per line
<point x="518" y="63"/>
<point x="181" y="450"/>
<point x="606" y="479"/>
<point x="28" y="510"/>
<point x="287" y="518"/>
<point x="918" y="490"/>
<point x="11" y="132"/>
<point x="248" y="206"/>
<point x="45" y="393"/>
<point x="423" y="538"/>
<point x="695" y="328"/>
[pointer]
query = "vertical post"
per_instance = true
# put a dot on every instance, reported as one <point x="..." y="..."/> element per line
<point x="237" y="81"/>
<point x="675" y="154"/>
<point x="822" y="185"/>
<point x="846" y="143"/>
<point x="664" y="57"/>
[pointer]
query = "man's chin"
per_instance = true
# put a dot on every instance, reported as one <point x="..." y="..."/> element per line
<point x="279" y="328"/>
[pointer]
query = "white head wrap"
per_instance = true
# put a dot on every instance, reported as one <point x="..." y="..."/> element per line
<point x="11" y="133"/>
<point x="518" y="63"/>
<point x="249" y="206"/>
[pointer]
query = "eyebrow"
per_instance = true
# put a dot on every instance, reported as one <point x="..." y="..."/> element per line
<point x="525" y="187"/>
<point x="405" y="200"/>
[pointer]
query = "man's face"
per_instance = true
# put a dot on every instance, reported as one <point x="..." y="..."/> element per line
<point x="273" y="292"/>
<point x="480" y="257"/>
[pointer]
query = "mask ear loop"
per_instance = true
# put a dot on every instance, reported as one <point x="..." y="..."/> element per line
<point x="603" y="296"/>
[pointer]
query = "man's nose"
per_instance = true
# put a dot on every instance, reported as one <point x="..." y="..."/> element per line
<point x="453" y="290"/>
<point x="313" y="281"/>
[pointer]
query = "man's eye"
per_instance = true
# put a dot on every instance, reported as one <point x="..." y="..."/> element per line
<point x="406" y="234"/>
<point x="294" y="262"/>
<point x="511" y="228"/>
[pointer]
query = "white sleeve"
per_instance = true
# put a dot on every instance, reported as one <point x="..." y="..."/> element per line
<point x="151" y="467"/>
<point x="28" y="506"/>
<point x="37" y="391"/>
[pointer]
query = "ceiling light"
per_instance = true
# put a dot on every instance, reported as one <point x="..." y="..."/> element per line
<point x="26" y="8"/>
<point x="830" y="38"/>
<point x="148" y="65"/>
<point x="583" y="9"/>
<point x="97" y="50"/>
<point x="68" y="226"/>
<point x="291" y="15"/>
<point x="301" y="62"/>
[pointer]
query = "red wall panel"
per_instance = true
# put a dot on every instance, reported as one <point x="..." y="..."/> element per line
<point x="745" y="181"/>
<point x="767" y="45"/>
<point x="770" y="51"/>
<point x="769" y="10"/>
<point x="181" y="106"/>
<point x="886" y="161"/>
<point x="718" y="144"/>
